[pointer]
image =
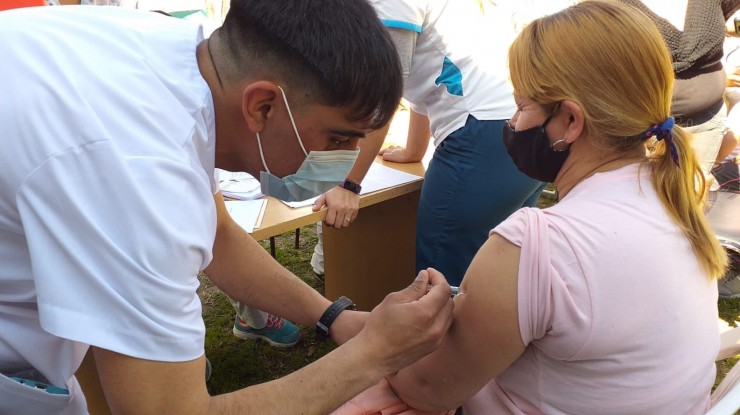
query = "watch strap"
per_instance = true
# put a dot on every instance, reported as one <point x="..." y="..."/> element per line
<point x="340" y="304"/>
<point x="351" y="186"/>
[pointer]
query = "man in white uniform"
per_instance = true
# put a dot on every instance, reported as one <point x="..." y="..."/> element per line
<point x="112" y="122"/>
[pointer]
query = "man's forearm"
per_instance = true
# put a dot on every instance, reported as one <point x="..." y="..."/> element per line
<point x="246" y="272"/>
<point x="317" y="388"/>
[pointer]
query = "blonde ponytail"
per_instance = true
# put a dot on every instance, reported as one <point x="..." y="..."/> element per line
<point x="682" y="190"/>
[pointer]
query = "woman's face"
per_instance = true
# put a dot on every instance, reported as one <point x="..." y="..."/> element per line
<point x="530" y="114"/>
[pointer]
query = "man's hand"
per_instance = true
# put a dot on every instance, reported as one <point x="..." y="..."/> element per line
<point x="342" y="206"/>
<point x="409" y="324"/>
<point x="398" y="154"/>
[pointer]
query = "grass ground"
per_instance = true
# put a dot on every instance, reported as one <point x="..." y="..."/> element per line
<point x="239" y="363"/>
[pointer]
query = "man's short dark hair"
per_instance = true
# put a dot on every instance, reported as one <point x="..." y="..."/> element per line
<point x="336" y="52"/>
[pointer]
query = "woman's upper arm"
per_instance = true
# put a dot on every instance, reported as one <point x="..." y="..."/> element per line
<point x="484" y="338"/>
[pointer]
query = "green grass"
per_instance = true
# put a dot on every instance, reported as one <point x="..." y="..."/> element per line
<point x="729" y="311"/>
<point x="238" y="363"/>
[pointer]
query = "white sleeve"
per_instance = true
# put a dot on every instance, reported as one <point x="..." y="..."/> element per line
<point x="401" y="14"/>
<point x="116" y="245"/>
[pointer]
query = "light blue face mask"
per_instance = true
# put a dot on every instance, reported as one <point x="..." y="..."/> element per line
<point x="319" y="172"/>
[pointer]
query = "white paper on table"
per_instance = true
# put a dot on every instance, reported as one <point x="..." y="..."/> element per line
<point x="238" y="185"/>
<point x="378" y="177"/>
<point x="247" y="213"/>
<point x="382" y="177"/>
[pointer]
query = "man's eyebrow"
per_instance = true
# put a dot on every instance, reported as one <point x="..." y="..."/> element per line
<point x="348" y="133"/>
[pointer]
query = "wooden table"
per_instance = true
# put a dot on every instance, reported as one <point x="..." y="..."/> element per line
<point x="372" y="257"/>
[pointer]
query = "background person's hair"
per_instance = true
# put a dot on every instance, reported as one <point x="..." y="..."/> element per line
<point x="611" y="60"/>
<point x="332" y="52"/>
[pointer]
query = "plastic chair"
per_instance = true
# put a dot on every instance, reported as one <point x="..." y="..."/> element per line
<point x="726" y="397"/>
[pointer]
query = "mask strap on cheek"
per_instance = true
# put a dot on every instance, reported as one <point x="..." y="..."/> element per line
<point x="552" y="114"/>
<point x="547" y="121"/>
<point x="292" y="122"/>
<point x="262" y="155"/>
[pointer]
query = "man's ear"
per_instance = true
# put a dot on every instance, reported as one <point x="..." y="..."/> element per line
<point x="576" y="122"/>
<point x="258" y="104"/>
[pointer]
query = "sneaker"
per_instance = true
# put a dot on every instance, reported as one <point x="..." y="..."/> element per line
<point x="279" y="332"/>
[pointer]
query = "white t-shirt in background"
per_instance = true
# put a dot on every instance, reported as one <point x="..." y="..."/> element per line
<point x="459" y="63"/>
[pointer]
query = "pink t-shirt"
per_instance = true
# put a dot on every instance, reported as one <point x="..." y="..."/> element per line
<point x="617" y="314"/>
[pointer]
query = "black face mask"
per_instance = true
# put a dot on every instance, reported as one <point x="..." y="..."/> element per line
<point x="532" y="152"/>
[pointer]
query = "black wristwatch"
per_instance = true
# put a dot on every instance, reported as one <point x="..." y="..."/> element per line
<point x="322" y="326"/>
<point x="351" y="186"/>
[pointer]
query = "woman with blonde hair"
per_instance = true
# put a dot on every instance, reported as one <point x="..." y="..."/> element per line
<point x="605" y="302"/>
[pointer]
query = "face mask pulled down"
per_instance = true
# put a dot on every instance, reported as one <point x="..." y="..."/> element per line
<point x="532" y="152"/>
<point x="319" y="172"/>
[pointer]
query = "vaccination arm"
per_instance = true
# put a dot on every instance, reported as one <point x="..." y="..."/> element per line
<point x="485" y="319"/>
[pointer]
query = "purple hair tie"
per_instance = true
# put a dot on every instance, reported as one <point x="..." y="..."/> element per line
<point x="664" y="131"/>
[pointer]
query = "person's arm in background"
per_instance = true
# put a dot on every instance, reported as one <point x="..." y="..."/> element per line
<point x="729" y="143"/>
<point x="341" y="203"/>
<point x="417" y="141"/>
<point x="404" y="327"/>
<point x="485" y="319"/>
<point x="733" y="77"/>
<point x="730" y="140"/>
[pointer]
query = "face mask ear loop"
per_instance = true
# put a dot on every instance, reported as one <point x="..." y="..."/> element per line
<point x="262" y="155"/>
<point x="552" y="146"/>
<point x="292" y="122"/>
<point x="547" y="121"/>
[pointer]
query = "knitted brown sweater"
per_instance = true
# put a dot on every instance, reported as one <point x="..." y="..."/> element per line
<point x="698" y="48"/>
